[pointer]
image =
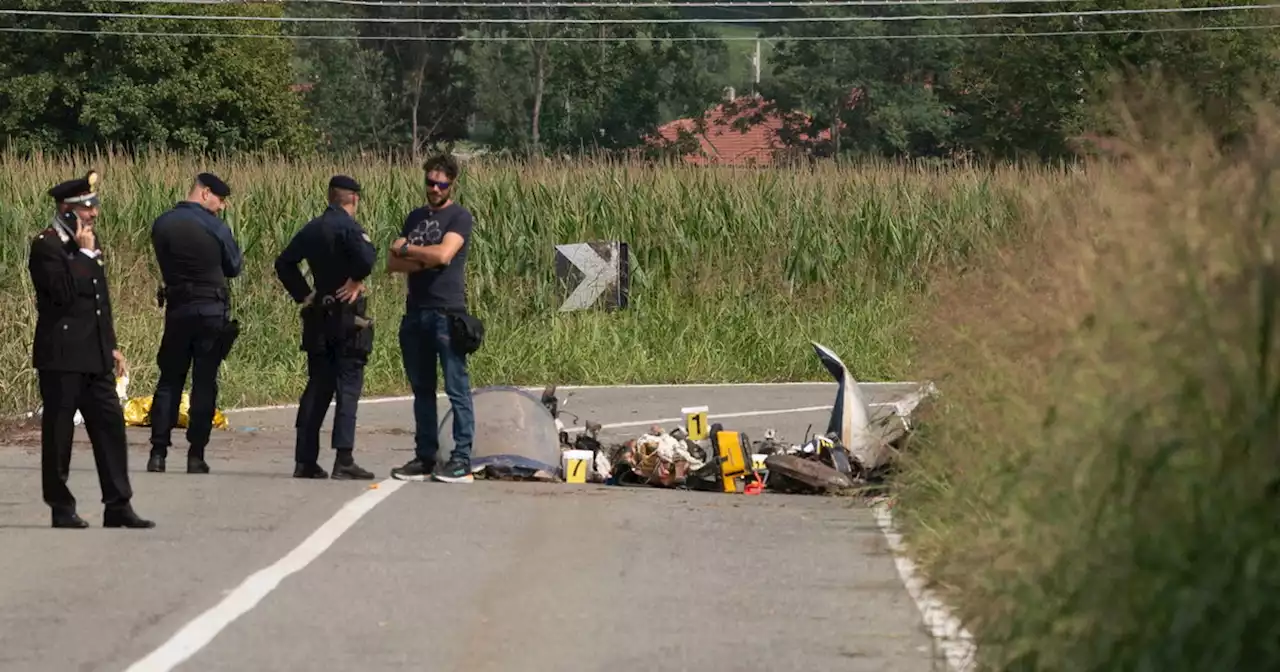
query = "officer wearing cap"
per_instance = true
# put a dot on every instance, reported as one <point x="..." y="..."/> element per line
<point x="196" y="253"/>
<point x="77" y="357"/>
<point x="337" y="334"/>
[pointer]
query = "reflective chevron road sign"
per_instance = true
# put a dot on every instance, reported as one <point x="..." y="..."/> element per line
<point x="595" y="274"/>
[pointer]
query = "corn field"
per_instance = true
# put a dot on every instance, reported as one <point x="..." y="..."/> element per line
<point x="733" y="271"/>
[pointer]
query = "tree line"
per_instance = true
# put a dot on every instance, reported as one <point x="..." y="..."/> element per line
<point x="428" y="75"/>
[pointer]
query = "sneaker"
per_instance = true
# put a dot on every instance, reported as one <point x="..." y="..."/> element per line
<point x="454" y="471"/>
<point x="414" y="470"/>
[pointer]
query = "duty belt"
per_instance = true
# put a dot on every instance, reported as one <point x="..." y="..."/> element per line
<point x="330" y="307"/>
<point x="188" y="292"/>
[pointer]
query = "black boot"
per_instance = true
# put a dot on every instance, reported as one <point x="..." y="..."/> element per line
<point x="346" y="469"/>
<point x="124" y="516"/>
<point x="351" y="472"/>
<point x="156" y="463"/>
<point x="197" y="465"/>
<point x="65" y="519"/>
<point x="308" y="470"/>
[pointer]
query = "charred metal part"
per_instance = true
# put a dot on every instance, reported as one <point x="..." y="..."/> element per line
<point x="797" y="474"/>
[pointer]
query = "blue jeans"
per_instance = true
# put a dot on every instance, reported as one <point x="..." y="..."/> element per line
<point x="424" y="337"/>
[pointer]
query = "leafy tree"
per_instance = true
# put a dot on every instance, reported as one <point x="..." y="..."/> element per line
<point x="608" y="93"/>
<point x="870" y="94"/>
<point x="428" y="65"/>
<point x="351" y="94"/>
<point x="1037" y="96"/>
<point x="200" y="93"/>
<point x="349" y="86"/>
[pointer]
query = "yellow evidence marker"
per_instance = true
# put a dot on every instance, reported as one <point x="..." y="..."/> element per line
<point x="575" y="464"/>
<point x="695" y="422"/>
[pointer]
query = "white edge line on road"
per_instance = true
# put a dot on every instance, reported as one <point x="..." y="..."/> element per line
<point x="646" y="386"/>
<point x="956" y="642"/>
<point x="530" y="388"/>
<point x="539" y="388"/>
<point x="199" y="632"/>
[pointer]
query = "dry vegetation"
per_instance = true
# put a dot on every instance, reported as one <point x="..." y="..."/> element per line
<point x="1097" y="490"/>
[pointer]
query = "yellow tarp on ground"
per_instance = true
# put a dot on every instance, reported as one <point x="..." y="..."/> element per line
<point x="137" y="412"/>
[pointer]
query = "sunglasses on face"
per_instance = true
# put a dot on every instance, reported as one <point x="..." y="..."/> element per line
<point x="438" y="185"/>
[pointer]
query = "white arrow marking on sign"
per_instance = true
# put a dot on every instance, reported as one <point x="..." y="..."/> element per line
<point x="597" y="272"/>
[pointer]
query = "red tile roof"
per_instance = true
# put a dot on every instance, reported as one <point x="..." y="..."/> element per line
<point x="730" y="137"/>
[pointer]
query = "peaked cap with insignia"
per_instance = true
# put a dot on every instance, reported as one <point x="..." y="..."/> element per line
<point x="80" y="191"/>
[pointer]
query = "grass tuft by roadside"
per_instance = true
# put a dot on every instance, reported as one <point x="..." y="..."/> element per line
<point x="1096" y="489"/>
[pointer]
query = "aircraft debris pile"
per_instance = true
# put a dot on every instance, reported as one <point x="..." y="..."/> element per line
<point x="515" y="442"/>
<point x="669" y="459"/>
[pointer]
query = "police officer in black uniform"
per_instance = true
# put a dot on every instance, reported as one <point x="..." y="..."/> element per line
<point x="197" y="254"/>
<point x="337" y="334"/>
<point x="77" y="357"/>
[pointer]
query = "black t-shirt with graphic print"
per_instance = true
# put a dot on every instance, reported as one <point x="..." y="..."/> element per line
<point x="443" y="287"/>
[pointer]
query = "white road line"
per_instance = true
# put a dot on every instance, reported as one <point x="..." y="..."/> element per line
<point x="646" y="386"/>
<point x="199" y="632"/>
<point x="641" y="386"/>
<point x="282" y="407"/>
<point x="956" y="642"/>
<point x="539" y="388"/>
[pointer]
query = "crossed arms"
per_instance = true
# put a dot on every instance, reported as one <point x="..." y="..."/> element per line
<point x="418" y="257"/>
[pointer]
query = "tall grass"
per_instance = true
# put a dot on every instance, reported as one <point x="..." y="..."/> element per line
<point x="1099" y="489"/>
<point x="733" y="271"/>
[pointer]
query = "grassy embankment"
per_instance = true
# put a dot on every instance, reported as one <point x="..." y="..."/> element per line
<point x="1097" y="490"/>
<point x="735" y="272"/>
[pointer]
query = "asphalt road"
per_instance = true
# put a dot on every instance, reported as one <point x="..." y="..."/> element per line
<point x="485" y="576"/>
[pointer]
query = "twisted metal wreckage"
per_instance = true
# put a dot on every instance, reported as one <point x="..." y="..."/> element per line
<point x="521" y="437"/>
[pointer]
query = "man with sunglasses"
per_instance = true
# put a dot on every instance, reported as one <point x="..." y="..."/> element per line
<point x="432" y="251"/>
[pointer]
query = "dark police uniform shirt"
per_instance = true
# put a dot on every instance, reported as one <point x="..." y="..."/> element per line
<point x="442" y="288"/>
<point x="193" y="246"/>
<point x="335" y="248"/>
<point x="74" y="327"/>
